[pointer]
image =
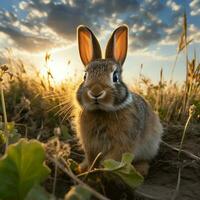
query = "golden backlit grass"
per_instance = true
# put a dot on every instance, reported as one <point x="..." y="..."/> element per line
<point x="28" y="93"/>
<point x="168" y="97"/>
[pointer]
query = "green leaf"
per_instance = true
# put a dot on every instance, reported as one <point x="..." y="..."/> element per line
<point x="21" y="168"/>
<point x="124" y="170"/>
<point x="112" y="165"/>
<point x="127" y="158"/>
<point x="78" y="193"/>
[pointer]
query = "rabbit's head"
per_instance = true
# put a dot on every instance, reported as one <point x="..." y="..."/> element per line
<point x="102" y="87"/>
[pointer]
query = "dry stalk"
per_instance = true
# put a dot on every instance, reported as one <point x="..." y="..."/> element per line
<point x="187" y="153"/>
<point x="76" y="179"/>
<point x="93" y="164"/>
<point x="4" y="115"/>
<point x="191" y="112"/>
<point x="175" y="195"/>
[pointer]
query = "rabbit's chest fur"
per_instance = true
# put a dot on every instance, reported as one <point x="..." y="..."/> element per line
<point x="111" y="133"/>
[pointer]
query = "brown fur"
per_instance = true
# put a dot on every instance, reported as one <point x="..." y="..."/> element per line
<point x="114" y="133"/>
<point x="109" y="118"/>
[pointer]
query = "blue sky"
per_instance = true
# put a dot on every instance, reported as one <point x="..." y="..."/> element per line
<point x="31" y="28"/>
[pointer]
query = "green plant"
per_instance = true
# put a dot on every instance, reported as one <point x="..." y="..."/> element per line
<point x="123" y="171"/>
<point x="21" y="168"/>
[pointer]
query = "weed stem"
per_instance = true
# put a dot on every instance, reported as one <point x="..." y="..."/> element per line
<point x="183" y="136"/>
<point x="4" y="114"/>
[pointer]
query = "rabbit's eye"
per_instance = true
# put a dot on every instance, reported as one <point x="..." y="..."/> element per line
<point x="115" y="77"/>
<point x="85" y="76"/>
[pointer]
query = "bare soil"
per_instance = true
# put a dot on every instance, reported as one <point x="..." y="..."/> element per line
<point x="162" y="179"/>
<point x="161" y="182"/>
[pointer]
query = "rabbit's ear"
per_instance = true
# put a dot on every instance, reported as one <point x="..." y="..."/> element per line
<point x="118" y="44"/>
<point x="89" y="48"/>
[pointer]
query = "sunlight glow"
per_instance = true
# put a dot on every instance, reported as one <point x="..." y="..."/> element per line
<point x="59" y="68"/>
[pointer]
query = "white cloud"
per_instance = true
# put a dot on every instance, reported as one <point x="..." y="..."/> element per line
<point x="47" y="20"/>
<point x="137" y="28"/>
<point x="195" y="7"/>
<point x="5" y="41"/>
<point x="151" y="54"/>
<point x="23" y="5"/>
<point x="194" y="33"/>
<point x="34" y="13"/>
<point x="46" y="1"/>
<point x="173" y="5"/>
<point x="172" y="33"/>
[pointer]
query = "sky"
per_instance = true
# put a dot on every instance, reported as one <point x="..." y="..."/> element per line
<point x="31" y="28"/>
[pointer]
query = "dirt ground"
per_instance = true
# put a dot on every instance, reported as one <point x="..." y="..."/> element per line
<point x="163" y="175"/>
<point x="161" y="182"/>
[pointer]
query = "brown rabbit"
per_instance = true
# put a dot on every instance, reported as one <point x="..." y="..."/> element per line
<point x="111" y="119"/>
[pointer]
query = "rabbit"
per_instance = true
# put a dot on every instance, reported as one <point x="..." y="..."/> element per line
<point x="111" y="119"/>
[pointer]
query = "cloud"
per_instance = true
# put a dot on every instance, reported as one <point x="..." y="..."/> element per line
<point x="65" y="19"/>
<point x="154" y="55"/>
<point x="7" y="17"/>
<point x="146" y="31"/>
<point x="194" y="32"/>
<point x="95" y="15"/>
<point x="30" y="32"/>
<point x="173" y="5"/>
<point x="23" y="5"/>
<point x="46" y="23"/>
<point x="172" y="33"/>
<point x="195" y="7"/>
<point x="26" y="42"/>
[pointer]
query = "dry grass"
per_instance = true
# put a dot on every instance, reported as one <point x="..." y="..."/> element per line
<point x="36" y="102"/>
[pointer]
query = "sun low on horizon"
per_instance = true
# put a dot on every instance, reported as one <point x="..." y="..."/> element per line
<point x="59" y="68"/>
<point x="35" y="27"/>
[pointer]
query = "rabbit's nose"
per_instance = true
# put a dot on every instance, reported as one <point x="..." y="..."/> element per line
<point x="100" y="95"/>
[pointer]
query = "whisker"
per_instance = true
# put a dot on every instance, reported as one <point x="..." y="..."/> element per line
<point x="60" y="111"/>
<point x="53" y="94"/>
<point x="65" y="116"/>
<point x="60" y="104"/>
<point x="63" y="110"/>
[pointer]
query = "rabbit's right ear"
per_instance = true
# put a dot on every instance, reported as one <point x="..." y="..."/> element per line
<point x="89" y="48"/>
<point x="118" y="44"/>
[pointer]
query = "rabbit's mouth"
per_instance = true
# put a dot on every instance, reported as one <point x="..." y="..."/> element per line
<point x="98" y="105"/>
<point x="96" y="102"/>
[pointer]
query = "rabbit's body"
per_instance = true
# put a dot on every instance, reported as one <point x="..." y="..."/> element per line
<point x="112" y="120"/>
<point x="134" y="128"/>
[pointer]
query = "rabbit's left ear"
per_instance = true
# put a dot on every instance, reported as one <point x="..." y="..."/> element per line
<point x="118" y="44"/>
<point x="89" y="48"/>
